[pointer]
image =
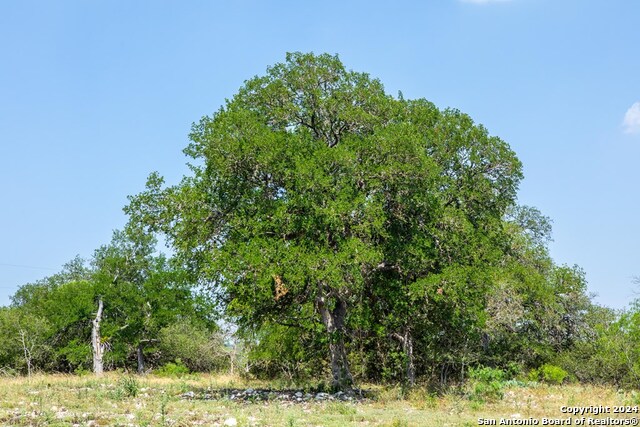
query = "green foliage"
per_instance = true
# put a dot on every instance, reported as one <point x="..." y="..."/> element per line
<point x="129" y="386"/>
<point x="552" y="374"/>
<point x="173" y="369"/>
<point x="143" y="292"/>
<point x="548" y="373"/>
<point x="536" y="311"/>
<point x="317" y="199"/>
<point x="287" y="352"/>
<point x="196" y="347"/>
<point x="486" y="384"/>
<point x="610" y="350"/>
<point x="50" y="320"/>
<point x="486" y="374"/>
<point x="23" y="341"/>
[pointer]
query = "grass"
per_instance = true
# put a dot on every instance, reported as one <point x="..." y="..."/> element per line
<point x="124" y="400"/>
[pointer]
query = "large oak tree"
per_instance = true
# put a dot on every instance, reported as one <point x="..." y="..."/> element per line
<point x="315" y="195"/>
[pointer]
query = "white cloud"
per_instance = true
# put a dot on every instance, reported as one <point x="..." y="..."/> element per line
<point x="484" y="1"/>
<point x="631" y="121"/>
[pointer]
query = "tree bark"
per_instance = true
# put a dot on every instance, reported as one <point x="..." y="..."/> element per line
<point x="140" y="357"/>
<point x="407" y="347"/>
<point x="408" y="351"/>
<point x="333" y="321"/>
<point x="96" y="341"/>
<point x="26" y="350"/>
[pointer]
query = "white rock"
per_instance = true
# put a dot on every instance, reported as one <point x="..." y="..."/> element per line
<point x="231" y="422"/>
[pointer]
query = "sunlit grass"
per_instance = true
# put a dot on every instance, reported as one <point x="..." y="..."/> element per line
<point x="119" y="399"/>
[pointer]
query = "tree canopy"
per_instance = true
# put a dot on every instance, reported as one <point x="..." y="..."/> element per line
<point x="49" y="323"/>
<point x="318" y="198"/>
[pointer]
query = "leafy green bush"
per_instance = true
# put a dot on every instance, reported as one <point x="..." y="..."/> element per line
<point x="277" y="351"/>
<point x="552" y="374"/>
<point x="611" y="352"/>
<point x="533" y="375"/>
<point x="197" y="348"/>
<point x="486" y="384"/>
<point x="486" y="374"/>
<point x="177" y="369"/>
<point x="82" y="371"/>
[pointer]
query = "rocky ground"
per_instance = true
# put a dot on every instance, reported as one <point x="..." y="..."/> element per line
<point x="251" y="395"/>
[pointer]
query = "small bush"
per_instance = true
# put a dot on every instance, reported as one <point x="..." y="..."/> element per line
<point x="422" y="398"/>
<point x="8" y="371"/>
<point x="486" y="374"/>
<point x="129" y="386"/>
<point x="548" y="373"/>
<point x="513" y="370"/>
<point x="486" y="384"/>
<point x="199" y="349"/>
<point x="552" y="374"/>
<point x="177" y="369"/>
<point x="533" y="375"/>
<point x="81" y="371"/>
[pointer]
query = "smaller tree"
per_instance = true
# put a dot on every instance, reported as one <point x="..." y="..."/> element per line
<point x="23" y="340"/>
<point x="143" y="292"/>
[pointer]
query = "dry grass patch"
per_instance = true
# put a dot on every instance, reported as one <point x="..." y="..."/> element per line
<point x="121" y="400"/>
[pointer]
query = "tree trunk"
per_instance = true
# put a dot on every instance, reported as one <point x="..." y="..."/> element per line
<point x="96" y="341"/>
<point x="407" y="347"/>
<point x="333" y="321"/>
<point x="26" y="350"/>
<point x="140" y="356"/>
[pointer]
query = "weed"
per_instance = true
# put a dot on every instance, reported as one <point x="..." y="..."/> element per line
<point x="163" y="410"/>
<point x="129" y="386"/>
<point x="422" y="399"/>
<point x="184" y="386"/>
<point x="476" y="405"/>
<point x="391" y="394"/>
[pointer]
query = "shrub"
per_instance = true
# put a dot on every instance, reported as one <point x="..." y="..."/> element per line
<point x="277" y="351"/>
<point x="197" y="348"/>
<point x="129" y="386"/>
<point x="552" y="374"/>
<point x="533" y="375"/>
<point x="177" y="369"/>
<point x="486" y="383"/>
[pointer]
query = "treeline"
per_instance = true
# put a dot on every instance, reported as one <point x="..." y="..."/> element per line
<point x="152" y="314"/>
<point x="344" y="233"/>
<point x="154" y="318"/>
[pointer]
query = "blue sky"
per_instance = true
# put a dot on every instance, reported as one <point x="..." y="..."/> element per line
<point x="96" y="95"/>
